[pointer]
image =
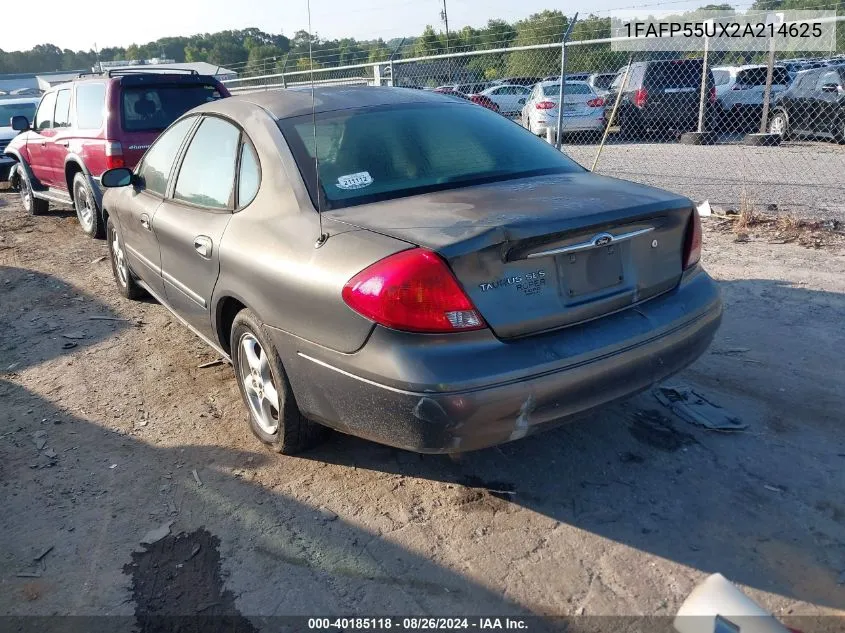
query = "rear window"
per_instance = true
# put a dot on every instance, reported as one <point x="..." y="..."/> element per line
<point x="721" y="77"/>
<point x="571" y="89"/>
<point x="757" y="76"/>
<point x="602" y="82"/>
<point x="675" y="74"/>
<point x="151" y="108"/>
<point x="381" y="153"/>
<point x="8" y="110"/>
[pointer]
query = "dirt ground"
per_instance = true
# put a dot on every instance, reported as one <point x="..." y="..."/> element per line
<point x="109" y="429"/>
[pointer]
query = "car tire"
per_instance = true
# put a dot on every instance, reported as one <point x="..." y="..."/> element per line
<point x="89" y="216"/>
<point x="31" y="204"/>
<point x="779" y="121"/>
<point x="277" y="421"/>
<point x="126" y="283"/>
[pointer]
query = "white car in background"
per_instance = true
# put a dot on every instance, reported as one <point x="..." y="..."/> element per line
<point x="583" y="109"/>
<point x="12" y="106"/>
<point x="509" y="98"/>
<point x="601" y="82"/>
<point x="739" y="91"/>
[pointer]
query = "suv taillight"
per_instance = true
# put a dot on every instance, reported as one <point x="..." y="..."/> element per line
<point x="692" y="241"/>
<point x="640" y="97"/>
<point x="413" y="291"/>
<point x="712" y="94"/>
<point x="545" y="105"/>
<point x="114" y="155"/>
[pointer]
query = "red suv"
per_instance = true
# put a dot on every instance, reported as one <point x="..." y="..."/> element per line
<point x="95" y="123"/>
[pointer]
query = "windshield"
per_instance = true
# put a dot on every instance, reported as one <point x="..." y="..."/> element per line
<point x="8" y="110"/>
<point x="376" y="154"/>
<point x="150" y="108"/>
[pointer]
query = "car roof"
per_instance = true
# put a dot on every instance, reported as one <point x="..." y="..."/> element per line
<point x="283" y="104"/>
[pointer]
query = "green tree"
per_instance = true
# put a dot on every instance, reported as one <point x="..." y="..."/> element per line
<point x="540" y="28"/>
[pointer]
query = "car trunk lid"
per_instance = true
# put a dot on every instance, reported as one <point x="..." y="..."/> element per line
<point x="536" y="254"/>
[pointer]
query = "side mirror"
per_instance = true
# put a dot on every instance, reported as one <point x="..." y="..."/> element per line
<point x="118" y="177"/>
<point x="20" y="123"/>
<point x="830" y="88"/>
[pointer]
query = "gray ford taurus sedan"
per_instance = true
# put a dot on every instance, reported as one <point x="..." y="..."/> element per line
<point x="407" y="268"/>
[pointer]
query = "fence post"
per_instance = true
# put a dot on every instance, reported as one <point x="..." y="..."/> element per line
<point x="390" y="60"/>
<point x="774" y="19"/>
<point x="622" y="87"/>
<point x="559" y="131"/>
<point x="284" y="67"/>
<point x="703" y="100"/>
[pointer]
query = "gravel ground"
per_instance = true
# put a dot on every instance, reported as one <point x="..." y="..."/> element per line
<point x="798" y="177"/>
<point x="108" y="430"/>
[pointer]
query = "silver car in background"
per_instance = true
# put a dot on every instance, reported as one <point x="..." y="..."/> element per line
<point x="583" y="109"/>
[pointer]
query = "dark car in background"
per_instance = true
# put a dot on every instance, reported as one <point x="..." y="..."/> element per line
<point x="94" y="123"/>
<point x="813" y="105"/>
<point x="663" y="97"/>
<point x="438" y="279"/>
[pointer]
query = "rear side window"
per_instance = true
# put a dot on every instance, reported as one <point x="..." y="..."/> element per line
<point x="158" y="161"/>
<point x="62" y="118"/>
<point x="249" y="176"/>
<point x="381" y="153"/>
<point x="757" y="76"/>
<point x="207" y="175"/>
<point x="90" y="105"/>
<point x="44" y="116"/>
<point x="721" y="77"/>
<point x="152" y="108"/>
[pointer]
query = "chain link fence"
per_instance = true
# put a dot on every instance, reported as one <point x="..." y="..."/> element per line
<point x="629" y="114"/>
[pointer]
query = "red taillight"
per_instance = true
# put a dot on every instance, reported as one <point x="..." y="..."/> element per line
<point x="692" y="242"/>
<point x="598" y="102"/>
<point x="712" y="94"/>
<point x="414" y="291"/>
<point x="114" y="155"/>
<point x="640" y="97"/>
<point x="545" y="105"/>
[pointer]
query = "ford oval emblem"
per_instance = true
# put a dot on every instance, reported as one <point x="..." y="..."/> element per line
<point x="603" y="239"/>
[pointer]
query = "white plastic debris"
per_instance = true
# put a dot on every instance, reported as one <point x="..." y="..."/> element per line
<point x="154" y="536"/>
<point x="704" y="209"/>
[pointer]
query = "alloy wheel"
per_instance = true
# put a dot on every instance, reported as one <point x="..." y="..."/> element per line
<point x="84" y="208"/>
<point x="257" y="380"/>
<point x="119" y="259"/>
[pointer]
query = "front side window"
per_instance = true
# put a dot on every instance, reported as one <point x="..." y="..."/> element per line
<point x="158" y="161"/>
<point x="90" y="105"/>
<point x="44" y="116"/>
<point x="151" y="108"/>
<point x="62" y="118"/>
<point x="829" y="77"/>
<point x="375" y="154"/>
<point x="207" y="175"/>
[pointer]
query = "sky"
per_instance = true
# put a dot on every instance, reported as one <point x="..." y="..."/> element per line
<point x="100" y="21"/>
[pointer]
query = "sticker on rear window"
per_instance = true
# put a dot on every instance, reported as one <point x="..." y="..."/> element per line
<point x="355" y="181"/>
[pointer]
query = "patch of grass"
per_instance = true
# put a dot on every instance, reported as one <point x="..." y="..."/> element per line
<point x="748" y="213"/>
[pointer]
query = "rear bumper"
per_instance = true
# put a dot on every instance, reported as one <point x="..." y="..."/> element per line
<point x="443" y="395"/>
<point x="591" y="123"/>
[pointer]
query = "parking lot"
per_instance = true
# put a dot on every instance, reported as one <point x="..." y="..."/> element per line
<point x="109" y="428"/>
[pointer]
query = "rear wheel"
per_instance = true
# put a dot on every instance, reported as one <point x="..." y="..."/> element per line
<point x="87" y="212"/>
<point x="274" y="416"/>
<point x="779" y="124"/>
<point x="31" y="204"/>
<point x="126" y="283"/>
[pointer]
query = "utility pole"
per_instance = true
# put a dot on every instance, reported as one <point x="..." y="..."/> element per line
<point x="445" y="17"/>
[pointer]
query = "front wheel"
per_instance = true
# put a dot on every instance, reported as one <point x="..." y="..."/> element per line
<point x="31" y="204"/>
<point x="86" y="208"/>
<point x="274" y="416"/>
<point x="126" y="283"/>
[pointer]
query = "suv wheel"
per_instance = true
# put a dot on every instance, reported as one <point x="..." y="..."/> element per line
<point x="629" y="129"/>
<point x="87" y="212"/>
<point x="31" y="204"/>
<point x="274" y="416"/>
<point x="779" y="124"/>
<point x="126" y="283"/>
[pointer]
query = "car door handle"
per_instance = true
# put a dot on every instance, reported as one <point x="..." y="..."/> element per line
<point x="202" y="245"/>
<point x="63" y="143"/>
<point x="145" y="221"/>
<point x="43" y="143"/>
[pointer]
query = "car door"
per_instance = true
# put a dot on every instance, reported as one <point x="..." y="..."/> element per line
<point x="36" y="142"/>
<point x="190" y="222"/>
<point x="137" y="207"/>
<point x="56" y="148"/>
<point x="827" y="102"/>
<point x="800" y="106"/>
